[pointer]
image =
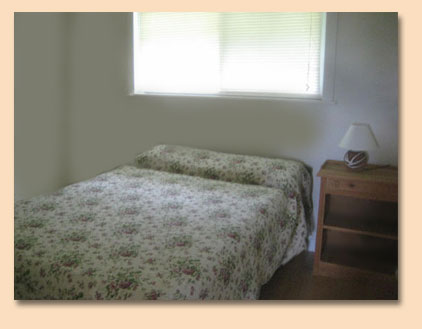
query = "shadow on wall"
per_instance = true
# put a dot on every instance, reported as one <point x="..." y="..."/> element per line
<point x="41" y="111"/>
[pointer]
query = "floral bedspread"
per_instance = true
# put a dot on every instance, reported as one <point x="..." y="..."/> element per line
<point x="135" y="233"/>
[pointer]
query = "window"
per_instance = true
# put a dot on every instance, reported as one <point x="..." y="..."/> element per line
<point x="230" y="53"/>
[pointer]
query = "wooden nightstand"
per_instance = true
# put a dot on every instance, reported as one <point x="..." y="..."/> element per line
<point x="357" y="232"/>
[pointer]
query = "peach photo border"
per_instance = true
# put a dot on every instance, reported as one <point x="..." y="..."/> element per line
<point x="405" y="313"/>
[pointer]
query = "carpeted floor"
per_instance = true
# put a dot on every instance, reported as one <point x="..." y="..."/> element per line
<point x="295" y="281"/>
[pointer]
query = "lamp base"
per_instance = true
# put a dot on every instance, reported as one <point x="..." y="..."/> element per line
<point x="356" y="159"/>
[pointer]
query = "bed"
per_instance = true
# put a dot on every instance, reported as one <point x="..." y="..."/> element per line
<point x="180" y="223"/>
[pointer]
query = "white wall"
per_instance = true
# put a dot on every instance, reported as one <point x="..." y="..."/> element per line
<point x="108" y="127"/>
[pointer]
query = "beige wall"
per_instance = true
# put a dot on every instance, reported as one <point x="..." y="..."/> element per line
<point x="107" y="127"/>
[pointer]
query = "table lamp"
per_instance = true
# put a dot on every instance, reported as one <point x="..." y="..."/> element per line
<point x="358" y="139"/>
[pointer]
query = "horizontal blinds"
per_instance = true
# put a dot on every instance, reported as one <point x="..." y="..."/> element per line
<point x="231" y="52"/>
<point x="271" y="52"/>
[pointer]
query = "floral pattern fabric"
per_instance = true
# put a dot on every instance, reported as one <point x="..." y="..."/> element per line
<point x="135" y="233"/>
<point x="291" y="176"/>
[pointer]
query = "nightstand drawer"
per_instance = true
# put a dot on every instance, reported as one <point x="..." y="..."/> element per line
<point x="377" y="191"/>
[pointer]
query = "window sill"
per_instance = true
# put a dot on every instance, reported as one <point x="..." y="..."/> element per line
<point x="271" y="97"/>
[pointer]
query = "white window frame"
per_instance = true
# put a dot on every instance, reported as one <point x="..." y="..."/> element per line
<point x="328" y="63"/>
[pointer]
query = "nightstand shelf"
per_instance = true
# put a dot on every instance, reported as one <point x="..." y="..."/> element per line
<point x="370" y="217"/>
<point x="357" y="232"/>
<point x="360" y="251"/>
<point x="368" y="233"/>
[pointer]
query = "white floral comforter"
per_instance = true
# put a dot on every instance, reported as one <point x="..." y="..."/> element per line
<point x="136" y="233"/>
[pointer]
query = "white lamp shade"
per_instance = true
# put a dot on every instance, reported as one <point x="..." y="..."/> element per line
<point x="359" y="137"/>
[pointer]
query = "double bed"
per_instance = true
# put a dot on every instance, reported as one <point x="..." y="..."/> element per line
<point x="180" y="223"/>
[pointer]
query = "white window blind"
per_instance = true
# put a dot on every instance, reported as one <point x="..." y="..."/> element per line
<point x="228" y="53"/>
